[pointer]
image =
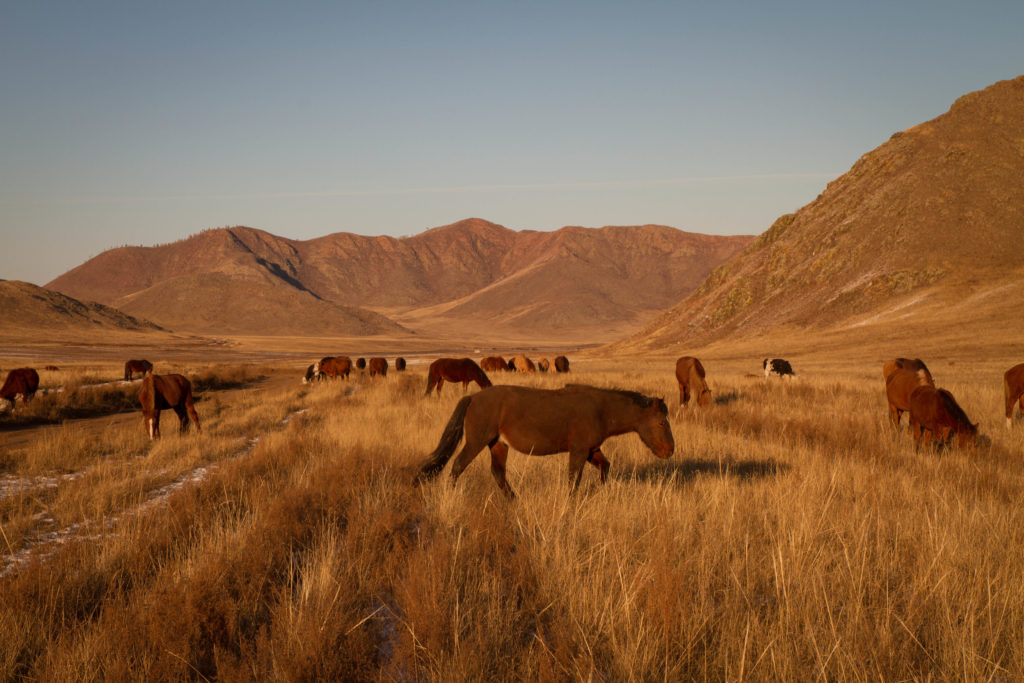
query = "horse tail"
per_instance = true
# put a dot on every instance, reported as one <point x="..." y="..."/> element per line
<point x="446" y="446"/>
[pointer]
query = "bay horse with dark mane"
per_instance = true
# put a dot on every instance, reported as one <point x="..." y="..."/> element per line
<point x="1013" y="388"/>
<point x="494" y="364"/>
<point x="936" y="416"/>
<point x="455" y="370"/>
<point x="576" y="419"/>
<point x="378" y="366"/>
<point x="136" y="367"/>
<point x="333" y="366"/>
<point x="399" y="364"/>
<point x="690" y="377"/>
<point x="23" y="382"/>
<point x="160" y="392"/>
<point x="899" y="385"/>
<point x="561" y="364"/>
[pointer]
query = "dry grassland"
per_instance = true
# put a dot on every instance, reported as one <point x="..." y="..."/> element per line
<point x="792" y="536"/>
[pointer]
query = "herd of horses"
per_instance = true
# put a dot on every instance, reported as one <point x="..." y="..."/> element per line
<point x="575" y="419"/>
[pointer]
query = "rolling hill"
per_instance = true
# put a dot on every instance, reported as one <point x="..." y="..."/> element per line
<point x="468" y="278"/>
<point x="923" y="237"/>
<point x="29" y="307"/>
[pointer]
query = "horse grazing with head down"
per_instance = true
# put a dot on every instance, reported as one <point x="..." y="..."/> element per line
<point x="935" y="415"/>
<point x="494" y="364"/>
<point x="159" y="392"/>
<point x="690" y="377"/>
<point x="378" y="366"/>
<point x="23" y="382"/>
<point x="576" y="419"/>
<point x="1013" y="389"/>
<point x="561" y="364"/>
<point x="454" y="370"/>
<point x="334" y="366"/>
<point x="899" y="385"/>
<point x="399" y="364"/>
<point x="543" y="365"/>
<point x="522" y="364"/>
<point x="136" y="367"/>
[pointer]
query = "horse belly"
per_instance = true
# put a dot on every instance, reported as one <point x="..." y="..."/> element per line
<point x="536" y="440"/>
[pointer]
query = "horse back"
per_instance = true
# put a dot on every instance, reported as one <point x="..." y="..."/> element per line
<point x="1013" y="382"/>
<point x="160" y="392"/>
<point x="900" y="385"/>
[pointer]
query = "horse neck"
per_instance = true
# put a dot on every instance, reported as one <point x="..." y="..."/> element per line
<point x="620" y="414"/>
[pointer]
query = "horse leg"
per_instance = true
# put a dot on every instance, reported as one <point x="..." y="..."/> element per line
<point x="154" y="425"/>
<point x="598" y="460"/>
<point x="577" y="458"/>
<point x="179" y="410"/>
<point x="191" y="408"/>
<point x="440" y="383"/>
<point x="895" y="414"/>
<point x="472" y="447"/>
<point x="499" y="456"/>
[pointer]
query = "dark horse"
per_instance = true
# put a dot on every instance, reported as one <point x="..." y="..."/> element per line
<point x="454" y="370"/>
<point x="20" y="382"/>
<point x="690" y="376"/>
<point x="935" y="415"/>
<point x="576" y="419"/>
<point x="899" y="385"/>
<point x="136" y="367"/>
<point x="159" y="392"/>
<point x="561" y="364"/>
<point x="1013" y="388"/>
<point x="399" y="364"/>
<point x="378" y="366"/>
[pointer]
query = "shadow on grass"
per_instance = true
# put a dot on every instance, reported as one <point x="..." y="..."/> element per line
<point x="687" y="470"/>
<point x="727" y="398"/>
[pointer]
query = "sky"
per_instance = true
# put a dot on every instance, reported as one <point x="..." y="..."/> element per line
<point x="141" y="123"/>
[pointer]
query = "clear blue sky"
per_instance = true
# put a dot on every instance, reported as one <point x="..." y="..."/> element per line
<point x="142" y="122"/>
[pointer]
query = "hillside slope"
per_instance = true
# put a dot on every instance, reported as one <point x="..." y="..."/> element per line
<point x="28" y="307"/>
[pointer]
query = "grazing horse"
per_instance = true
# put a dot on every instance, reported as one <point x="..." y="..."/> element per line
<point x="561" y="364"/>
<point x="543" y="365"/>
<point x="576" y="419"/>
<point x="159" y="392"/>
<point x="913" y="364"/>
<point x="935" y="415"/>
<point x="455" y="370"/>
<point x="21" y="382"/>
<point x="378" y="366"/>
<point x="334" y="366"/>
<point x="361" y="363"/>
<point x="312" y="373"/>
<point x="494" y="364"/>
<point x="136" y="367"/>
<point x="690" y="376"/>
<point x="399" y="365"/>
<point x="777" y="366"/>
<point x="1013" y="388"/>
<point x="899" y="385"/>
<point x="522" y="364"/>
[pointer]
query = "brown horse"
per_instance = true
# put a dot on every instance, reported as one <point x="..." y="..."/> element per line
<point x="159" y="392"/>
<point x="361" y="363"/>
<point x="20" y="382"/>
<point x="454" y="370"/>
<point x="399" y="365"/>
<point x="912" y="364"/>
<point x="576" y="419"/>
<point x="690" y="376"/>
<point x="899" y="385"/>
<point x="522" y="364"/>
<point x="378" y="366"/>
<point x="136" y="367"/>
<point x="543" y="365"/>
<point x="561" y="364"/>
<point x="494" y="364"/>
<point x="333" y="366"/>
<point x="935" y="415"/>
<point x="1013" y="388"/>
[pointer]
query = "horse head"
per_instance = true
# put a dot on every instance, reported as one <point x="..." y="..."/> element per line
<point x="654" y="429"/>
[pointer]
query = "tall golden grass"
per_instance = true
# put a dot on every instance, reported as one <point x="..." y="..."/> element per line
<point x="792" y="536"/>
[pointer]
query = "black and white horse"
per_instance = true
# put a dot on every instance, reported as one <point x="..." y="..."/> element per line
<point x="777" y="366"/>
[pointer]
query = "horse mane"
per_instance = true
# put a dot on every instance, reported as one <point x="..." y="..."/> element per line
<point x="954" y="409"/>
<point x="641" y="400"/>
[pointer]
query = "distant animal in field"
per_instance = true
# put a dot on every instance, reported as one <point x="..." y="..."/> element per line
<point x="522" y="364"/>
<point x="777" y="366"/>
<point x="913" y="364"/>
<point x="561" y="364"/>
<point x="160" y="392"/>
<point x="334" y="366"/>
<point x="378" y="366"/>
<point x="20" y="383"/>
<point x="936" y="417"/>
<point x="899" y="385"/>
<point x="312" y="373"/>
<point x="1013" y="388"/>
<point x="136" y="367"/>
<point x="494" y="364"/>
<point x="690" y="377"/>
<point x="399" y="365"/>
<point x="52" y="368"/>
<point x="543" y="365"/>
<point x="576" y="419"/>
<point x="361" y="363"/>
<point x="455" y="370"/>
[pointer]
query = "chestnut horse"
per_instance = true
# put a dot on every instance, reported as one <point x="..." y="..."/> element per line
<point x="576" y="419"/>
<point x="20" y="382"/>
<point x="159" y="392"/>
<point x="913" y="364"/>
<point x="455" y="370"/>
<point x="561" y="364"/>
<point x="690" y="376"/>
<point x="494" y="364"/>
<point x="378" y="366"/>
<point x="543" y="365"/>
<point x="522" y="364"/>
<point x="136" y="367"/>
<point x="935" y="415"/>
<point x="333" y="366"/>
<point x="1013" y="388"/>
<point x="899" y="385"/>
